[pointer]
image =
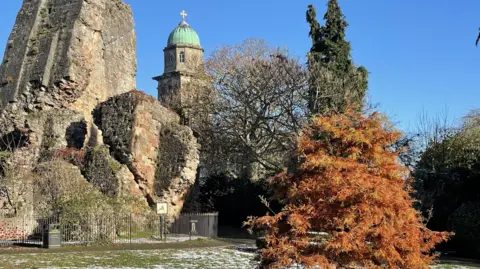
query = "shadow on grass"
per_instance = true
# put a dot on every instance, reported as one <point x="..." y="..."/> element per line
<point x="471" y="263"/>
<point x="245" y="249"/>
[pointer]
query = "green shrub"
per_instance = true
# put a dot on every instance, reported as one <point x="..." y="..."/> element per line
<point x="465" y="222"/>
<point x="5" y="155"/>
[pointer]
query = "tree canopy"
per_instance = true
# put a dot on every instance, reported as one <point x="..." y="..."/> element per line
<point x="347" y="202"/>
<point x="335" y="82"/>
<point x="448" y="183"/>
<point x="453" y="147"/>
<point x="259" y="106"/>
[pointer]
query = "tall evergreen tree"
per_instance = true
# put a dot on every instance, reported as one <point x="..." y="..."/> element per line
<point x="335" y="82"/>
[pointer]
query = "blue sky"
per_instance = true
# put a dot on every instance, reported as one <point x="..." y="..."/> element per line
<point x="420" y="54"/>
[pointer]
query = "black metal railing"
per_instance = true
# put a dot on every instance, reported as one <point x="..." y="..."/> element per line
<point x="201" y="224"/>
<point x="109" y="229"/>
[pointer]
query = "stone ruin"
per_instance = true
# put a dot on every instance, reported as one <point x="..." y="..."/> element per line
<point x="67" y="81"/>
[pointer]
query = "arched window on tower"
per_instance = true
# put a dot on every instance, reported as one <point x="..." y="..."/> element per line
<point x="182" y="57"/>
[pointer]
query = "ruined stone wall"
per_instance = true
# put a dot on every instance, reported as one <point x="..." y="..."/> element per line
<point x="68" y="53"/>
<point x="66" y="84"/>
<point x="115" y="119"/>
<point x="177" y="164"/>
<point x="62" y="58"/>
<point x="147" y="137"/>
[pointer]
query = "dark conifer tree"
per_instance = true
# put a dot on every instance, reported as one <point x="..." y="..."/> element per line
<point x="335" y="82"/>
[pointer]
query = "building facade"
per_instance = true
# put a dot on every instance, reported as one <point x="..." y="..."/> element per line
<point x="183" y="58"/>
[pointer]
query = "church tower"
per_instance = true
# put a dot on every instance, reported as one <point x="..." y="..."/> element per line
<point x="183" y="58"/>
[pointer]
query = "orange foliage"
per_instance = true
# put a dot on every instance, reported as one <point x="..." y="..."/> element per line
<point x="349" y="186"/>
<point x="70" y="155"/>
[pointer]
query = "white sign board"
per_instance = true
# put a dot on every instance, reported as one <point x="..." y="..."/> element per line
<point x="162" y="208"/>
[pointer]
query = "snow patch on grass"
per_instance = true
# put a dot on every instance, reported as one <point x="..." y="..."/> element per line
<point x="237" y="257"/>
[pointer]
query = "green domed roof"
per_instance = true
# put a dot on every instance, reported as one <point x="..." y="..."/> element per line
<point x="183" y="34"/>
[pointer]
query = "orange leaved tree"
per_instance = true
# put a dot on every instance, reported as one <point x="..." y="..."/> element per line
<point x="347" y="202"/>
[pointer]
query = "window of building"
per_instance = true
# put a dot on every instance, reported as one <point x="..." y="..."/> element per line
<point x="182" y="57"/>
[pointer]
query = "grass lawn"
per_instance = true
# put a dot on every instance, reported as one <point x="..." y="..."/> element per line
<point x="212" y="257"/>
<point x="161" y="259"/>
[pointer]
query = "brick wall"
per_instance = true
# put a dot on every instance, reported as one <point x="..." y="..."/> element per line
<point x="16" y="228"/>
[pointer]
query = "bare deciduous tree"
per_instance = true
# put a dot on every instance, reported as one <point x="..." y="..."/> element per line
<point x="15" y="176"/>
<point x="259" y="106"/>
<point x="432" y="132"/>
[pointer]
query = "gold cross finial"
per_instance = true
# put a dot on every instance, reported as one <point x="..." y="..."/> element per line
<point x="183" y="14"/>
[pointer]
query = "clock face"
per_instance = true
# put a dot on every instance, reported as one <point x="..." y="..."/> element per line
<point x="195" y="60"/>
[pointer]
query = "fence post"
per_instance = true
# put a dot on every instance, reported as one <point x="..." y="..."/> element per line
<point x="160" y="227"/>
<point x="215" y="225"/>
<point x="190" y="227"/>
<point x="130" y="229"/>
<point x="165" y="229"/>
<point x="89" y="230"/>
<point x="23" y="229"/>
<point x="208" y="226"/>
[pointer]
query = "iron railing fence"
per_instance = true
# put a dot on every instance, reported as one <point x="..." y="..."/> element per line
<point x="109" y="229"/>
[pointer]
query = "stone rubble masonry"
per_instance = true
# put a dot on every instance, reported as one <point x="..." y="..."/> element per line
<point x="66" y="81"/>
<point x="63" y="57"/>
<point x="147" y="137"/>
<point x="68" y="53"/>
<point x="108" y="175"/>
<point x="177" y="165"/>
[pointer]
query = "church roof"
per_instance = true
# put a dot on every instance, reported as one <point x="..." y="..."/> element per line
<point x="183" y="34"/>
